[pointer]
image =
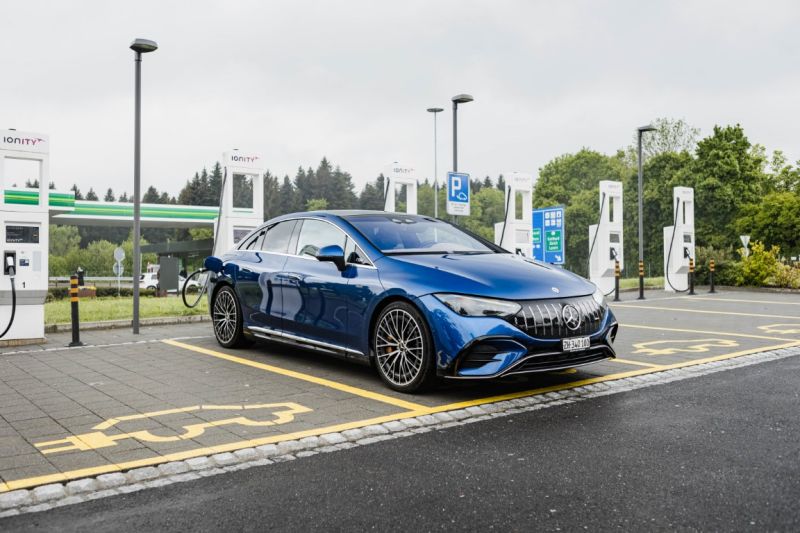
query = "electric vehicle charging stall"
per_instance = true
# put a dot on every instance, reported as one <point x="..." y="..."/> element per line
<point x="397" y="174"/>
<point x="24" y="239"/>
<point x="605" y="237"/>
<point x="679" y="241"/>
<point x="516" y="234"/>
<point x="234" y="223"/>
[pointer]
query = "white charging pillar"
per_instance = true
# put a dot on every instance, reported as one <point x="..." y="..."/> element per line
<point x="234" y="223"/>
<point x="515" y="234"/>
<point x="607" y="237"/>
<point x="679" y="241"/>
<point x="397" y="175"/>
<point x="24" y="237"/>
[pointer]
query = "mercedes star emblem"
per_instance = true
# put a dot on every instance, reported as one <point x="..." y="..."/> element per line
<point x="571" y="316"/>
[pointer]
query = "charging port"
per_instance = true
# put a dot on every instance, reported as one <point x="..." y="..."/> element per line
<point x="9" y="262"/>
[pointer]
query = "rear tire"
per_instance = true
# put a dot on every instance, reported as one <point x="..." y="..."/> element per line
<point x="226" y="315"/>
<point x="403" y="349"/>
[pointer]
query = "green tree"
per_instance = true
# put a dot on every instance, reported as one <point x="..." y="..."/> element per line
<point x="317" y="204"/>
<point x="775" y="220"/>
<point x="63" y="239"/>
<point x="109" y="197"/>
<point x="91" y="195"/>
<point x="669" y="136"/>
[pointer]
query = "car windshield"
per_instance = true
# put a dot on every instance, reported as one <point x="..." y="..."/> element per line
<point x="396" y="234"/>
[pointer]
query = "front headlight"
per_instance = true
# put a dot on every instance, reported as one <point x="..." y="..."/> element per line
<point x="599" y="297"/>
<point x="475" y="306"/>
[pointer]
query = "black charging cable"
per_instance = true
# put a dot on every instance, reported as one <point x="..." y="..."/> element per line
<point x="12" y="274"/>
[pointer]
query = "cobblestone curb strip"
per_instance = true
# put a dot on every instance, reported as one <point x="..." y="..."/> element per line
<point x="59" y="494"/>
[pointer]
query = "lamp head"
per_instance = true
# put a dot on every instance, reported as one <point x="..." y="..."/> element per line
<point x="435" y="109"/>
<point x="648" y="127"/>
<point x="144" y="46"/>
<point x="462" y="98"/>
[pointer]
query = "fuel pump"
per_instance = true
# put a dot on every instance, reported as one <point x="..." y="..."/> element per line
<point x="24" y="243"/>
<point x="397" y="174"/>
<point x="605" y="237"/>
<point x="234" y="223"/>
<point x="515" y="234"/>
<point x="679" y="241"/>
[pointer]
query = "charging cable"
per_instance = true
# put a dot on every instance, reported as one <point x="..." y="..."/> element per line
<point x="594" y="239"/>
<point x="12" y="273"/>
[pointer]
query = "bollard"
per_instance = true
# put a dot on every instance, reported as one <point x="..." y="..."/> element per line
<point x="691" y="276"/>
<point x="616" y="280"/>
<point x="711" y="275"/>
<point x="73" y="298"/>
<point x="641" y="280"/>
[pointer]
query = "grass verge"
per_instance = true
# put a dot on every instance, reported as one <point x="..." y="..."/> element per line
<point x="113" y="308"/>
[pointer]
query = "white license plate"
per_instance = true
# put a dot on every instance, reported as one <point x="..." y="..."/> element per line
<point x="575" y="344"/>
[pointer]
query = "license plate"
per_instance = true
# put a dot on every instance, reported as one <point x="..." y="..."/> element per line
<point x="575" y="344"/>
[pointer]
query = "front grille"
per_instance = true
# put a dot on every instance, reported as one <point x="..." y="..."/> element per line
<point x="544" y="319"/>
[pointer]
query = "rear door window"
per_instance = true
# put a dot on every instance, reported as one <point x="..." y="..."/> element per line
<point x="278" y="237"/>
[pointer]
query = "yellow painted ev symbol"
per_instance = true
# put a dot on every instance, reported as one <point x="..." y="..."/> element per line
<point x="784" y="329"/>
<point x="283" y="413"/>
<point x="672" y="346"/>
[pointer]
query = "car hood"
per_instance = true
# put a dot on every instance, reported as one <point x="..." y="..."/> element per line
<point x="505" y="276"/>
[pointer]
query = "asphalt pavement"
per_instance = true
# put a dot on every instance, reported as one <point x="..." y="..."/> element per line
<point x="719" y="452"/>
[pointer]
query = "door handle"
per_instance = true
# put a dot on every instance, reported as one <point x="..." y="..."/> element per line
<point x="294" y="277"/>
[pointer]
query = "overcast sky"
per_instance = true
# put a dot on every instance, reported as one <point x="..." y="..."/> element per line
<point x="350" y="80"/>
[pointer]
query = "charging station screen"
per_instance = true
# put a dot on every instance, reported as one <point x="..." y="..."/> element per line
<point x="22" y="234"/>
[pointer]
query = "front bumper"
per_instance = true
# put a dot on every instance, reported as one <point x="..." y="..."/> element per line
<point x="486" y="347"/>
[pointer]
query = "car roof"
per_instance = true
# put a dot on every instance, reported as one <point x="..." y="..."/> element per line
<point x="342" y="213"/>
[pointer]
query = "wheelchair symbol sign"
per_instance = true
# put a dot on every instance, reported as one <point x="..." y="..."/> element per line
<point x="457" y="194"/>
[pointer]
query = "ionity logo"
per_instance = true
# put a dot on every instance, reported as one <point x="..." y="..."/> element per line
<point x="24" y="141"/>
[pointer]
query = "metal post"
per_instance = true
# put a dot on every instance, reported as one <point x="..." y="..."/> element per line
<point x="435" y="172"/>
<point x="641" y="220"/>
<point x="691" y="276"/>
<point x="137" y="257"/>
<point x="455" y="136"/>
<point x="616" y="280"/>
<point x="74" y="300"/>
<point x="711" y="275"/>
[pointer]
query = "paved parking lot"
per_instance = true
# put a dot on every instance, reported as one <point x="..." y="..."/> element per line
<point x="174" y="393"/>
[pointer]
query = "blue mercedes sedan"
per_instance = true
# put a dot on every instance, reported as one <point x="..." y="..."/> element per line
<point x="418" y="298"/>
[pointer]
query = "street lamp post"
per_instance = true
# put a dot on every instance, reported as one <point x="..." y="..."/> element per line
<point x="140" y="46"/>
<point x="458" y="99"/>
<point x="435" y="110"/>
<point x="640" y="131"/>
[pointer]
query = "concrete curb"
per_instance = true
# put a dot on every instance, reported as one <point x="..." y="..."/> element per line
<point x="54" y="495"/>
<point x="125" y="323"/>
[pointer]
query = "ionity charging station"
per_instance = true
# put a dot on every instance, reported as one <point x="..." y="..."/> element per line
<point x="515" y="234"/>
<point x="24" y="241"/>
<point x="234" y="223"/>
<point x="398" y="175"/>
<point x="679" y="241"/>
<point x="605" y="237"/>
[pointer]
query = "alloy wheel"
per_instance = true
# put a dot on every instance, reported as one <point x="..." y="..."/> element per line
<point x="399" y="347"/>
<point x="225" y="317"/>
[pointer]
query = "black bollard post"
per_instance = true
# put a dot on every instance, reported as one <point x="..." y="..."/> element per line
<point x="73" y="298"/>
<point x="616" y="280"/>
<point x="641" y="280"/>
<point x="691" y="276"/>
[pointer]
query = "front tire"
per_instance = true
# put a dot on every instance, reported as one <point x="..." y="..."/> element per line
<point x="226" y="315"/>
<point x="403" y="349"/>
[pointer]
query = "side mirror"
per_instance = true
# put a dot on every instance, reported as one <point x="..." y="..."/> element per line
<point x="334" y="254"/>
<point x="214" y="264"/>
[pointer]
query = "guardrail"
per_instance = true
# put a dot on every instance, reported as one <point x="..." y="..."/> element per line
<point x="97" y="281"/>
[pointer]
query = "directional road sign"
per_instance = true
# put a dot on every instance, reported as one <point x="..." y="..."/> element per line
<point x="548" y="235"/>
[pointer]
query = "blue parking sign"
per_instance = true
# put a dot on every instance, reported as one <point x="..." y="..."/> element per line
<point x="548" y="235"/>
<point x="457" y="194"/>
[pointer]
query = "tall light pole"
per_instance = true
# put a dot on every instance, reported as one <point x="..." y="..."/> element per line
<point x="458" y="99"/>
<point x="140" y="46"/>
<point x="435" y="110"/>
<point x="640" y="131"/>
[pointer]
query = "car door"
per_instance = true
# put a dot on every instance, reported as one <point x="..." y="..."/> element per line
<point x="314" y="292"/>
<point x="261" y="259"/>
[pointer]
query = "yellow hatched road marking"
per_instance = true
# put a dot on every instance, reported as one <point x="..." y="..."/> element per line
<point x="299" y="375"/>
<point x="705" y="312"/>
<point x="705" y="332"/>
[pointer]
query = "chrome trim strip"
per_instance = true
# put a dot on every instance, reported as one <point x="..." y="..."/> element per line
<point x="510" y="370"/>
<point x="270" y="333"/>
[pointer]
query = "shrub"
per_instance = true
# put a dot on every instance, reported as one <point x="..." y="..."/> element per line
<point x="726" y="268"/>
<point x="786" y="276"/>
<point x="760" y="267"/>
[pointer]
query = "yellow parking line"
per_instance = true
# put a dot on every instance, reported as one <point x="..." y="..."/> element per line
<point x="703" y="311"/>
<point x="636" y="363"/>
<point x="705" y="332"/>
<point x="738" y="300"/>
<point x="299" y="375"/>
